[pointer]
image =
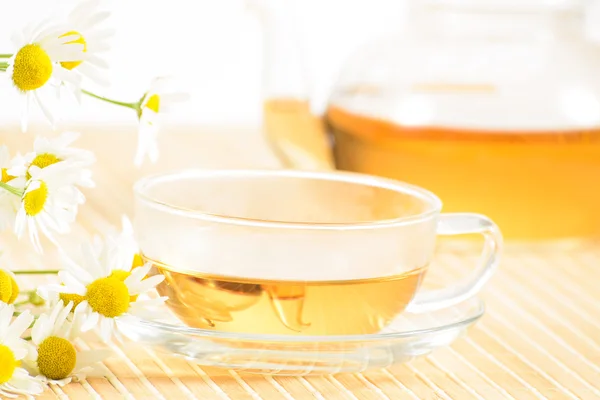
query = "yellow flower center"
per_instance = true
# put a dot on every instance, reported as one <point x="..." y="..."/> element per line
<point x="32" y="68"/>
<point x="80" y="40"/>
<point x="153" y="103"/>
<point x="43" y="160"/>
<point x="108" y="297"/>
<point x="35" y="200"/>
<point x="138" y="261"/>
<point x="6" y="177"/>
<point x="8" y="364"/>
<point x="56" y="358"/>
<point x="9" y="290"/>
<point x="75" y="298"/>
<point x="122" y="275"/>
<point x="15" y="291"/>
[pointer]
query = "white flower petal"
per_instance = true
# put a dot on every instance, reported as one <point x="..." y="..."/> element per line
<point x="33" y="235"/>
<point x="20" y="222"/>
<point x="90" y="71"/>
<point x="92" y="264"/>
<point x="91" y="322"/>
<point x="106" y="328"/>
<point x="101" y="34"/>
<point x="174" y="97"/>
<point x="54" y="313"/>
<point x="24" y="383"/>
<point x="45" y="110"/>
<point x="82" y="275"/>
<point x="73" y="285"/>
<point x="146" y="143"/>
<point x="99" y="47"/>
<point x="62" y="316"/>
<point x="148" y="283"/>
<point x="82" y="9"/>
<point x="97" y="18"/>
<point x="19" y="325"/>
<point x="40" y="330"/>
<point x="71" y="52"/>
<point x="66" y="39"/>
<point x="146" y="309"/>
<point x="20" y="353"/>
<point x="6" y="314"/>
<point x="97" y="62"/>
<point x="65" y="75"/>
<point x="137" y="274"/>
<point x="61" y="382"/>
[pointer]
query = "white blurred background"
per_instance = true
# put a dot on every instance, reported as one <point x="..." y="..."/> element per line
<point x="213" y="47"/>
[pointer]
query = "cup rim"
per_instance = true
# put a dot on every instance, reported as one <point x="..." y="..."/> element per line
<point x="434" y="203"/>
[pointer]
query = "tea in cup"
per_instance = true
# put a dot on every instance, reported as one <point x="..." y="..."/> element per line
<point x="298" y="252"/>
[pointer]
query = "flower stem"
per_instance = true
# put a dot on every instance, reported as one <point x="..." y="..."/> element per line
<point x="106" y="99"/>
<point x="35" y="272"/>
<point x="6" y="55"/>
<point x="11" y="189"/>
<point x="35" y="318"/>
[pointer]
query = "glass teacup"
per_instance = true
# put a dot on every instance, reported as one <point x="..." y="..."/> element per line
<point x="294" y="252"/>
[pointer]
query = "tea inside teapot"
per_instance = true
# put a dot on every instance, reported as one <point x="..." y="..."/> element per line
<point x="493" y="105"/>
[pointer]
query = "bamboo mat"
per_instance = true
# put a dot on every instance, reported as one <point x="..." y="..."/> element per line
<point x="539" y="339"/>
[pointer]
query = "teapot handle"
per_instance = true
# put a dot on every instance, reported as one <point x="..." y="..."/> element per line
<point x="296" y="136"/>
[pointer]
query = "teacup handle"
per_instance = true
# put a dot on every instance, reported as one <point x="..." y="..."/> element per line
<point x="462" y="224"/>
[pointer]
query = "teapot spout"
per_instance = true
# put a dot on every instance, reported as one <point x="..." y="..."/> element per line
<point x="297" y="137"/>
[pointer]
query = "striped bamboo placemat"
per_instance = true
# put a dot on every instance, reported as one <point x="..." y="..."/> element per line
<point x="540" y="337"/>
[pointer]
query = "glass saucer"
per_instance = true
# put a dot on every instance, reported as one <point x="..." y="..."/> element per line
<point x="410" y="335"/>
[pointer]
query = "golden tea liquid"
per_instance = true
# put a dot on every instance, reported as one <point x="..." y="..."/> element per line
<point x="287" y="307"/>
<point x="535" y="185"/>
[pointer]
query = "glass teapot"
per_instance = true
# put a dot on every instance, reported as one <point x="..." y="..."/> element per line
<point x="494" y="105"/>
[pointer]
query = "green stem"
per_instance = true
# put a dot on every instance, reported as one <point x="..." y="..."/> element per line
<point x="11" y="189"/>
<point x="106" y="99"/>
<point x="3" y="66"/>
<point x="35" y="272"/>
<point x="35" y="318"/>
<point x="21" y="303"/>
<point x="6" y="55"/>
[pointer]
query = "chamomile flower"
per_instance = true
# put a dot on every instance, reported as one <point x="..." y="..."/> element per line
<point x="15" y="380"/>
<point x="107" y="289"/>
<point x="32" y="68"/>
<point x="9" y="289"/>
<point x="58" y="361"/>
<point x="49" y="202"/>
<point x="48" y="152"/>
<point x="85" y="23"/>
<point x="123" y="249"/>
<point x="155" y="102"/>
